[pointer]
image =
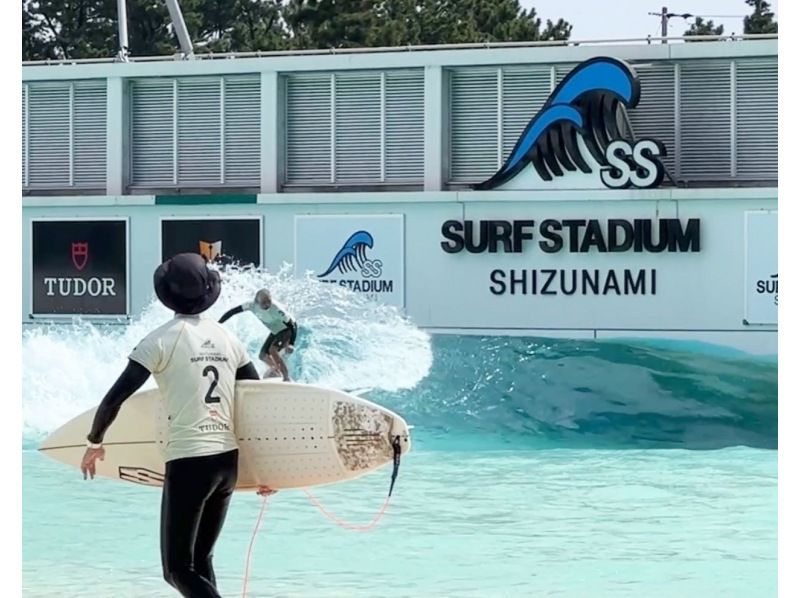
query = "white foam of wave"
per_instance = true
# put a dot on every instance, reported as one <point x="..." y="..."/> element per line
<point x="345" y="341"/>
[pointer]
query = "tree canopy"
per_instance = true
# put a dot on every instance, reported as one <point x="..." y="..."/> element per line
<point x="703" y="27"/>
<point x="56" y="29"/>
<point x="762" y="20"/>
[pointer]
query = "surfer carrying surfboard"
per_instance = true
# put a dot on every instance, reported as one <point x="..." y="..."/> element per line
<point x="196" y="363"/>
<point x="282" y="330"/>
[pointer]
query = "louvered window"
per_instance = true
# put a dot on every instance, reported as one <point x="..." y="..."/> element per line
<point x="704" y="151"/>
<point x="355" y="128"/>
<point x="308" y="129"/>
<point x="242" y="130"/>
<point x="153" y="104"/>
<point x="524" y="90"/>
<point x="358" y="127"/>
<point x="404" y="115"/>
<point x="473" y="124"/>
<point x="64" y="135"/>
<point x="562" y="70"/>
<point x="199" y="131"/>
<point x="489" y="109"/>
<point x="196" y="132"/>
<point x="757" y="119"/>
<point x="654" y="116"/>
<point x="24" y="135"/>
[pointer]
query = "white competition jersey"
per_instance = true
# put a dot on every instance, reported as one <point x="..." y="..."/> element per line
<point x="194" y="361"/>
<point x="274" y="317"/>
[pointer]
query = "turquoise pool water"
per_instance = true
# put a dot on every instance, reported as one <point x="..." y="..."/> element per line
<point x="540" y="467"/>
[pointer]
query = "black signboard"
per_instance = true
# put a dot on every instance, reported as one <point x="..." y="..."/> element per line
<point x="80" y="267"/>
<point x="224" y="241"/>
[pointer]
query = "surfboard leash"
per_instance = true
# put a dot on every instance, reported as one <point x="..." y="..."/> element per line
<point x="250" y="548"/>
<point x="396" y="452"/>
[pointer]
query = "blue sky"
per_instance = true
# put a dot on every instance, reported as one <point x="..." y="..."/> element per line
<point x="615" y="19"/>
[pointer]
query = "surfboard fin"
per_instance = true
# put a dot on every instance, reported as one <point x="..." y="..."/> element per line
<point x="396" y="458"/>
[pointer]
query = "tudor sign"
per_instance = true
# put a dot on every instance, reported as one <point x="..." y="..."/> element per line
<point x="80" y="267"/>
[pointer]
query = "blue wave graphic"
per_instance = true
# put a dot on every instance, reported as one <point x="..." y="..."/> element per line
<point x="352" y="255"/>
<point x="533" y="132"/>
<point x="586" y="101"/>
<point x="605" y="75"/>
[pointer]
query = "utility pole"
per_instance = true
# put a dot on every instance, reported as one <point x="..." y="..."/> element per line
<point x="665" y="17"/>
<point x="174" y="8"/>
<point x="122" y="21"/>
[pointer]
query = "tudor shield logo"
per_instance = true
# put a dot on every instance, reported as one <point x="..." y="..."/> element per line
<point x="80" y="255"/>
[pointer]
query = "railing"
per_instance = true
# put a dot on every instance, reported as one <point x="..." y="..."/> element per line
<point x="422" y="48"/>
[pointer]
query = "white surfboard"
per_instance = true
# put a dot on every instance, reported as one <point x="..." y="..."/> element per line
<point x="290" y="436"/>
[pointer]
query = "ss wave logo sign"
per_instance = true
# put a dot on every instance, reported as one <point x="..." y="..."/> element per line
<point x="580" y="129"/>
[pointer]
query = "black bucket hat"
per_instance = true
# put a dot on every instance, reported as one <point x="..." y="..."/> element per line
<point x="186" y="285"/>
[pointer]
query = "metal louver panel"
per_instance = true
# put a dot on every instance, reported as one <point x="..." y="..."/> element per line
<point x="473" y="124"/>
<point x="242" y="143"/>
<point x="654" y="117"/>
<point x="757" y="119"/>
<point x="199" y="131"/>
<point x="24" y="135"/>
<point x="89" y="134"/>
<point x="152" y="132"/>
<point x="704" y="150"/>
<point x="562" y="70"/>
<point x="49" y="159"/>
<point x="524" y="92"/>
<point x="405" y="126"/>
<point x="308" y="129"/>
<point x="358" y="127"/>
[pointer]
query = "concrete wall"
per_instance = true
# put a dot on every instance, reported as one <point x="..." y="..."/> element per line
<point x="699" y="295"/>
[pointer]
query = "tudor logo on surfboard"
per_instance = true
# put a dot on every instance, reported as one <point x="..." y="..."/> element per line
<point x="79" y="267"/>
<point x="361" y="253"/>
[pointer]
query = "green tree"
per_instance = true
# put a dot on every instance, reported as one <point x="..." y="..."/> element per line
<point x="32" y="46"/>
<point x="703" y="27"/>
<point x="57" y="29"/>
<point x="149" y="29"/>
<point x="258" y="26"/>
<point x="67" y="28"/>
<point x="355" y="23"/>
<point x="329" y="23"/>
<point x="762" y="19"/>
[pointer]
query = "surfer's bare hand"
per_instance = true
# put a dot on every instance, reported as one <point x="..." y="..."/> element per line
<point x="265" y="491"/>
<point x="89" y="459"/>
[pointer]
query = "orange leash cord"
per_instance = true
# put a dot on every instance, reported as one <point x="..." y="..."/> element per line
<point x="340" y="522"/>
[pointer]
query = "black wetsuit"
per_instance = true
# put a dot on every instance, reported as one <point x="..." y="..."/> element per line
<point x="194" y="503"/>
<point x="285" y="337"/>
<point x="195" y="496"/>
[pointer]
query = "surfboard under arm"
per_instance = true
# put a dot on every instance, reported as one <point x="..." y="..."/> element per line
<point x="290" y="436"/>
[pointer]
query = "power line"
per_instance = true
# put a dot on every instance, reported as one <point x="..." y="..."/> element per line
<point x="666" y="16"/>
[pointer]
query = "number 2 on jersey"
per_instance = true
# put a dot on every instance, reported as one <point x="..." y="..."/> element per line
<point x="210" y="369"/>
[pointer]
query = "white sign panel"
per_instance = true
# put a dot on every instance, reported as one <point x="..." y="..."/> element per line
<point x="761" y="268"/>
<point x="362" y="253"/>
